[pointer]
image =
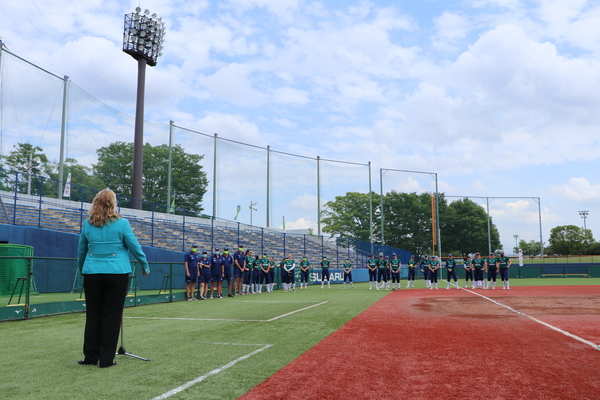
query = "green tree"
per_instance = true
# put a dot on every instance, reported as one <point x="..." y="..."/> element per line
<point x="465" y="229"/>
<point x="189" y="181"/>
<point x="531" y="248"/>
<point x="407" y="221"/>
<point x="22" y="160"/>
<point x="348" y="216"/>
<point x="570" y="240"/>
<point x="83" y="180"/>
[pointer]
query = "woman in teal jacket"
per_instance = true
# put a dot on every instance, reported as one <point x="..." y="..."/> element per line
<point x="103" y="259"/>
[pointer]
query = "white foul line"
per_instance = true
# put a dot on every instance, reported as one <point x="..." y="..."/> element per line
<point x="213" y="372"/>
<point x="582" y="340"/>
<point x="293" y="312"/>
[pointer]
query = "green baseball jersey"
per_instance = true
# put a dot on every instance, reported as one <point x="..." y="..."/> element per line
<point x="468" y="263"/>
<point x="325" y="264"/>
<point x="411" y="264"/>
<point x="289" y="264"/>
<point x="372" y="263"/>
<point x="256" y="264"/>
<point x="381" y="264"/>
<point x="491" y="262"/>
<point x="249" y="261"/>
<point x="478" y="263"/>
<point x="503" y="261"/>
<point x="264" y="263"/>
<point x="451" y="263"/>
<point x="347" y="266"/>
<point x="395" y="265"/>
<point x="425" y="264"/>
<point x="434" y="264"/>
<point x="304" y="264"/>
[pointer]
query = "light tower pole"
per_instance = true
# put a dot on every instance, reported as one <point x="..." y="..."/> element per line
<point x="584" y="215"/>
<point x="143" y="40"/>
<point x="252" y="209"/>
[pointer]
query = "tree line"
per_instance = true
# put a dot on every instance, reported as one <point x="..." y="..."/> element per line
<point x="113" y="170"/>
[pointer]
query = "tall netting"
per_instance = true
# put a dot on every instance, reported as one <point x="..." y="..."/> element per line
<point x="30" y="105"/>
<point x="293" y="191"/>
<point x="516" y="218"/>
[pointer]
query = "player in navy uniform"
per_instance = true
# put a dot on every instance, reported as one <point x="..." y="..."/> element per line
<point x="239" y="261"/>
<point x="190" y="261"/>
<point x="227" y="275"/>
<point x="425" y="270"/>
<point x="372" y="266"/>
<point x="204" y="278"/>
<point x="216" y="274"/>
<point x="451" y="271"/>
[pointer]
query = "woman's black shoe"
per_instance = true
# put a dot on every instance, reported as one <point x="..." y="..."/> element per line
<point x="86" y="362"/>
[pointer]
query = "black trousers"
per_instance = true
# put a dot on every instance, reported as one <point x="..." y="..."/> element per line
<point x="104" y="301"/>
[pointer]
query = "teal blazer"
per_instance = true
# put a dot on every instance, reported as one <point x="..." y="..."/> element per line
<point x="106" y="250"/>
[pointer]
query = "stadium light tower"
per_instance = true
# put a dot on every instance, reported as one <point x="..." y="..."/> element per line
<point x="584" y="215"/>
<point x="252" y="209"/>
<point x="143" y="40"/>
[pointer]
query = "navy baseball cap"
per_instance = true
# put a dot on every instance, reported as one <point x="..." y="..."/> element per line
<point x="450" y="255"/>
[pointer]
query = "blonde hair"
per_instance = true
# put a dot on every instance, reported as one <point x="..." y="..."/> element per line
<point x="104" y="208"/>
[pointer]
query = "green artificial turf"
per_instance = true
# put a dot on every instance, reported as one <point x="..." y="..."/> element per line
<point x="187" y="340"/>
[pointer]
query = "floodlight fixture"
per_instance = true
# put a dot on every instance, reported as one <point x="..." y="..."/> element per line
<point x="143" y="36"/>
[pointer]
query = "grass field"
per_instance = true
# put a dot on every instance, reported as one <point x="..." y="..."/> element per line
<point x="226" y="346"/>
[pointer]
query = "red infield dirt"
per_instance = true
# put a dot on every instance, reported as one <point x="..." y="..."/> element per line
<point x="454" y="344"/>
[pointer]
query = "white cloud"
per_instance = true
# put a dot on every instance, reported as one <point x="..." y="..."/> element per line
<point x="578" y="189"/>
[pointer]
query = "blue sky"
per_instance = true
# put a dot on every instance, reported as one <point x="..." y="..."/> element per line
<point x="498" y="97"/>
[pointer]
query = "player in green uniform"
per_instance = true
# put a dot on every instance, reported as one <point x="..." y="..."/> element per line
<point x="381" y="267"/>
<point x="411" y="265"/>
<point x="478" y="267"/>
<point x="289" y="266"/>
<point x="347" y="267"/>
<point x="451" y="271"/>
<point x="395" y="266"/>
<point x="434" y="267"/>
<point x="503" y="265"/>
<point x="469" y="271"/>
<point x="372" y="267"/>
<point x="325" y="274"/>
<point x="304" y="271"/>
<point x="425" y="270"/>
<point x="491" y="267"/>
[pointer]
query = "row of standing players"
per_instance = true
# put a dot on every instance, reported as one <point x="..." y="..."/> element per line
<point x="384" y="271"/>
<point x="250" y="272"/>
